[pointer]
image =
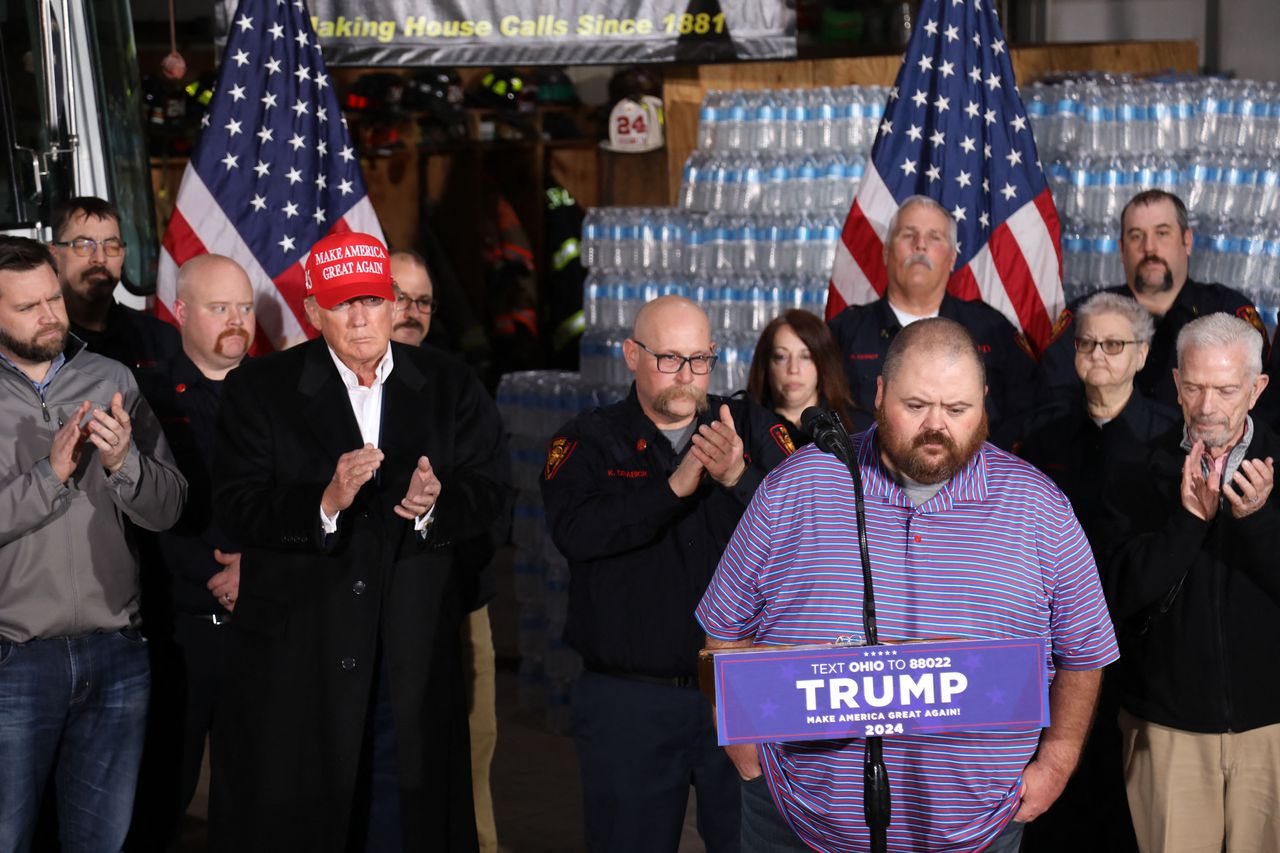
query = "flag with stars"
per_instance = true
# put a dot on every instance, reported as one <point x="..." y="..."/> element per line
<point x="274" y="171"/>
<point x="955" y="130"/>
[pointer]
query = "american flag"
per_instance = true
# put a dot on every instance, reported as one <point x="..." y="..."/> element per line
<point x="955" y="130"/>
<point x="274" y="171"/>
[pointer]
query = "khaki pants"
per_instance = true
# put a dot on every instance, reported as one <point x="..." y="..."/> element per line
<point x="478" y="668"/>
<point x="1202" y="793"/>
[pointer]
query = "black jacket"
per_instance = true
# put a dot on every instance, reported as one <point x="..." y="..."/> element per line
<point x="133" y="338"/>
<point x="315" y="613"/>
<point x="1082" y="457"/>
<point x="1059" y="382"/>
<point x="864" y="333"/>
<point x="186" y="402"/>
<point x="1198" y="603"/>
<point x="640" y="558"/>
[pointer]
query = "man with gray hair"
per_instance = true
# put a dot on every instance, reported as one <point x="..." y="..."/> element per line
<point x="919" y="255"/>
<point x="1195" y="592"/>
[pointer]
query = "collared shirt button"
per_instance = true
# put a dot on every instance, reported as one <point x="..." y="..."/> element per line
<point x="359" y="587"/>
<point x="348" y="663"/>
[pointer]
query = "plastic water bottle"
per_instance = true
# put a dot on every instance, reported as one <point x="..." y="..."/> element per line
<point x="768" y="122"/>
<point x="709" y="119"/>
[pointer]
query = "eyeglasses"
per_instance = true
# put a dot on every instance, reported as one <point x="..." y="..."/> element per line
<point x="112" y="247"/>
<point x="425" y="304"/>
<point x="672" y="363"/>
<point x="1086" y="346"/>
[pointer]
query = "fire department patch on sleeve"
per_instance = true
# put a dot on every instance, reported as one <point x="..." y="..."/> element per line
<point x="783" y="438"/>
<point x="557" y="453"/>
<point x="1024" y="345"/>
<point x="1060" y="325"/>
<point x="1250" y="315"/>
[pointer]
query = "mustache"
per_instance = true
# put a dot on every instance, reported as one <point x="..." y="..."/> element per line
<point x="922" y="259"/>
<point x="934" y="436"/>
<point x="95" y="270"/>
<point x="409" y="323"/>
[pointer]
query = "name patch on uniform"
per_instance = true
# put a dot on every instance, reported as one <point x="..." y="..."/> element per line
<point x="624" y="474"/>
<point x="783" y="438"/>
<point x="557" y="453"/>
<point x="864" y="356"/>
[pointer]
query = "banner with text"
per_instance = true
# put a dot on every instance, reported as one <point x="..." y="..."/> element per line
<point x="794" y="694"/>
<point x="547" y="32"/>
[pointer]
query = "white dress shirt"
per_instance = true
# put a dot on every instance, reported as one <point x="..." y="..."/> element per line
<point x="366" y="405"/>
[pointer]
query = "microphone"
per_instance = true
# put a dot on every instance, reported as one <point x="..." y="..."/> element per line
<point x="830" y="437"/>
<point x="827" y="433"/>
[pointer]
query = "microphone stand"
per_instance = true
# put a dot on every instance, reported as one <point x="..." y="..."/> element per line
<point x="831" y="437"/>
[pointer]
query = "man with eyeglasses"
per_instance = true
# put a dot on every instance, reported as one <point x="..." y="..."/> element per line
<point x="1194" y="591"/>
<point x="919" y="255"/>
<point x="1155" y="248"/>
<point x="415" y="306"/>
<point x="199" y="576"/>
<point x="641" y="498"/>
<point x="89" y="252"/>
<point x="415" y="297"/>
<point x="351" y="470"/>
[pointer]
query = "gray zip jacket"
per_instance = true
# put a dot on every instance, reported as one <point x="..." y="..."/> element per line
<point x="67" y="564"/>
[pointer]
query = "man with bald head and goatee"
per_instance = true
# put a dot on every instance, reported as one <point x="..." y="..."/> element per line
<point x="641" y="498"/>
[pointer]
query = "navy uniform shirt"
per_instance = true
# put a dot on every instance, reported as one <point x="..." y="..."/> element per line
<point x="186" y="402"/>
<point x="864" y="333"/>
<point x="639" y="557"/>
<point x="1059" y="383"/>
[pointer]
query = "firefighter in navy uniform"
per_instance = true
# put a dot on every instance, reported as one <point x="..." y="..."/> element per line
<point x="920" y="253"/>
<point x="1155" y="246"/>
<point x="641" y="498"/>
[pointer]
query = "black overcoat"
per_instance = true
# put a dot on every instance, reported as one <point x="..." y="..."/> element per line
<point x="313" y="611"/>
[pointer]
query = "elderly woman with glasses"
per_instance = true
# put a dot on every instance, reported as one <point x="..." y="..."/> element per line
<point x="1084" y="450"/>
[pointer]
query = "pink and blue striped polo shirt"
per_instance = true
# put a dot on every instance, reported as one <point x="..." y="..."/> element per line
<point x="997" y="553"/>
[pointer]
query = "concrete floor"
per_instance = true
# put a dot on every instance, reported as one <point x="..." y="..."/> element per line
<point x="536" y="792"/>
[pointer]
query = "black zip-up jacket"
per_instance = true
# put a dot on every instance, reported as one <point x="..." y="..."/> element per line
<point x="1197" y="602"/>
<point x="640" y="558"/>
<point x="864" y="333"/>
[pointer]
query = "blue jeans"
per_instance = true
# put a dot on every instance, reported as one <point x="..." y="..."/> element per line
<point x="76" y="708"/>
<point x="764" y="830"/>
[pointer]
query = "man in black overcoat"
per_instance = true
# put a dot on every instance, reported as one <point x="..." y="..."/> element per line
<point x="348" y="468"/>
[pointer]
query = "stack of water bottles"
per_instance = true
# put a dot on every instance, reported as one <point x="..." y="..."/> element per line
<point x="1214" y="142"/>
<point x="533" y="405"/>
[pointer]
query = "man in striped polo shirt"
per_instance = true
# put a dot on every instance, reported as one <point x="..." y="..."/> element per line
<point x="966" y="541"/>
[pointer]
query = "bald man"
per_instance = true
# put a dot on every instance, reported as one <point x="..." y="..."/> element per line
<point x="201" y="566"/>
<point x="969" y="541"/>
<point x="641" y="497"/>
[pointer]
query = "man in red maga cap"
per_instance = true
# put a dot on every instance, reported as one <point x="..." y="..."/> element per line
<point x="349" y="468"/>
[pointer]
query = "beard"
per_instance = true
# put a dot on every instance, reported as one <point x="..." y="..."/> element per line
<point x="905" y="451"/>
<point x="219" y="345"/>
<point x="98" y="278"/>
<point x="1142" y="285"/>
<point x="1214" y="432"/>
<point x="33" y="350"/>
<point x="662" y="404"/>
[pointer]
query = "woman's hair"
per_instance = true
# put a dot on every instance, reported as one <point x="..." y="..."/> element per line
<point x="833" y="384"/>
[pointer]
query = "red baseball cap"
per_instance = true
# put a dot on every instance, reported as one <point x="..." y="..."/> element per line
<point x="348" y="266"/>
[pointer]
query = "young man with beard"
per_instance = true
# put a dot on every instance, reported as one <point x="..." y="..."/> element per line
<point x="190" y="591"/>
<point x="919" y="255"/>
<point x="82" y="454"/>
<point x="1155" y="247"/>
<point x="89" y="252"/>
<point x="641" y="497"/>
<point x="966" y="541"/>
<point x="1195" y="590"/>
